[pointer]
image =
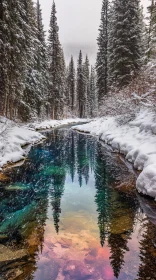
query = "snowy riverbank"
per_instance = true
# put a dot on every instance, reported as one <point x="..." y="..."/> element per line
<point x="136" y="139"/>
<point x="48" y="124"/>
<point x="12" y="140"/>
<point x="14" y="137"/>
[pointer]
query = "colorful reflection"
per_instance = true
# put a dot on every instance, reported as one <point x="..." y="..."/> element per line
<point x="71" y="212"/>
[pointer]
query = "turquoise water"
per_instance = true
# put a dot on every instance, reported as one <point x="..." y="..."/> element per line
<point x="72" y="212"/>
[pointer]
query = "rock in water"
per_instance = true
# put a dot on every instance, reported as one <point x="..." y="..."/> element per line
<point x="75" y="270"/>
<point x="7" y="255"/>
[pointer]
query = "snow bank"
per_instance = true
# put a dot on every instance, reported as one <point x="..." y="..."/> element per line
<point x="55" y="123"/>
<point x="135" y="139"/>
<point x="12" y="139"/>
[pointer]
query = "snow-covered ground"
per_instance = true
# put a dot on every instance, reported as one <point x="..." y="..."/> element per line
<point x="136" y="139"/>
<point x="55" y="123"/>
<point x="12" y="139"/>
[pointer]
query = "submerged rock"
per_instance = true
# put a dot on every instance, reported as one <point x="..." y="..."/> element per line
<point x="89" y="259"/>
<point x="13" y="274"/>
<point x="3" y="238"/>
<point x="65" y="242"/>
<point x="127" y="187"/>
<point x="121" y="224"/>
<point x="7" y="255"/>
<point x="3" y="177"/>
<point x="76" y="270"/>
<point x="17" y="187"/>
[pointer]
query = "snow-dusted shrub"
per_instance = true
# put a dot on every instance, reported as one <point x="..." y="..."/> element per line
<point x="141" y="92"/>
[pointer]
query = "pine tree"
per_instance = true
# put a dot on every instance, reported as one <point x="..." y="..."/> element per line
<point x="28" y="107"/>
<point x="56" y="68"/>
<point x="62" y="87"/>
<point x="144" y="35"/>
<point x="152" y="31"/>
<point x="23" y="64"/>
<point x="42" y="65"/>
<point x="71" y="84"/>
<point x="82" y="160"/>
<point x="102" y="55"/>
<point x="147" y="251"/>
<point x="103" y="195"/>
<point x="67" y="96"/>
<point x="86" y="77"/>
<point x="73" y="157"/>
<point x="93" y="94"/>
<point x="118" y="248"/>
<point x="11" y="52"/>
<point x="125" y="46"/>
<point x="5" y="46"/>
<point x="80" y="87"/>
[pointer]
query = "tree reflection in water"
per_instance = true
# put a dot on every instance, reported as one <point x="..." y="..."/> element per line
<point x="64" y="162"/>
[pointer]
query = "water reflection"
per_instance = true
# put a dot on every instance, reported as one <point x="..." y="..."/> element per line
<point x="62" y="216"/>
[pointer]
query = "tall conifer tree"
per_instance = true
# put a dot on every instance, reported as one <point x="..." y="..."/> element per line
<point x="56" y="68"/>
<point x="30" y="99"/>
<point x="93" y="95"/>
<point x="71" y="84"/>
<point x="5" y="47"/>
<point x="102" y="55"/>
<point x="125" y="47"/>
<point x="86" y="77"/>
<point x="80" y="87"/>
<point x="42" y="65"/>
<point x="152" y="31"/>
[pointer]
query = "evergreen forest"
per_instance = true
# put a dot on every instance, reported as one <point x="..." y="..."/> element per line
<point x="37" y="83"/>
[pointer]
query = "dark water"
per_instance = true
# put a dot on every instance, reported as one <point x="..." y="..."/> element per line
<point x="71" y="212"/>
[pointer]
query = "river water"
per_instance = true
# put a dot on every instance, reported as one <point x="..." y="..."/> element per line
<point x="71" y="212"/>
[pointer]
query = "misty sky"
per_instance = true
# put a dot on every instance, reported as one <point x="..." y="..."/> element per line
<point x="78" y="22"/>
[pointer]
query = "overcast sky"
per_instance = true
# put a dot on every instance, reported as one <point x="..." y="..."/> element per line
<point x="78" y="22"/>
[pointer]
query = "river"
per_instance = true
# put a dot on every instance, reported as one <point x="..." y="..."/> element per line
<point x="71" y="212"/>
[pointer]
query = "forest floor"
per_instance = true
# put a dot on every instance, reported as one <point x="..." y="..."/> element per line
<point x="135" y="138"/>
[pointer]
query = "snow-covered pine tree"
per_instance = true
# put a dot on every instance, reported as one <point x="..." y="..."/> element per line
<point x="67" y="97"/>
<point x="42" y="66"/>
<point x="28" y="107"/>
<point x="93" y="94"/>
<point x="152" y="31"/>
<point x="63" y="83"/>
<point x="125" y="42"/>
<point x="71" y="84"/>
<point x="144" y="35"/>
<point x="80" y="87"/>
<point x="56" y="68"/>
<point x="21" y="59"/>
<point x="12" y="50"/>
<point x="102" y="55"/>
<point x="86" y="77"/>
<point x="4" y="55"/>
